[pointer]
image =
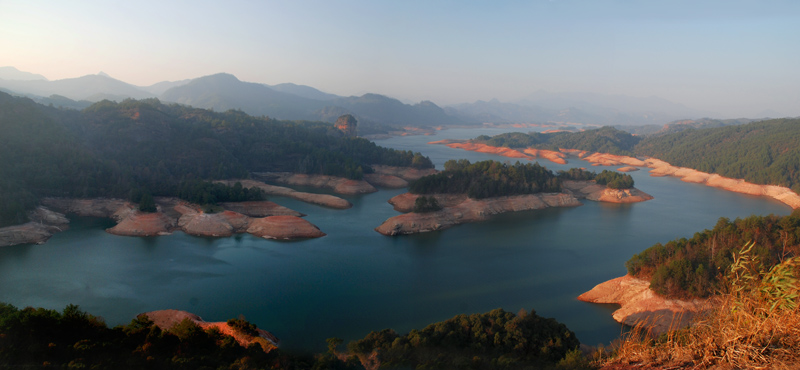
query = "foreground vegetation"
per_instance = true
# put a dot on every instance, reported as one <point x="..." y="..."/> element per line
<point x="72" y="339"/>
<point x="148" y="148"/>
<point x="764" y="152"/>
<point x="754" y="324"/>
<point x="41" y="338"/>
<point x="493" y="340"/>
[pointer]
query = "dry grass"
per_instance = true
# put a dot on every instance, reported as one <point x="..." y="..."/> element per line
<point x="755" y="325"/>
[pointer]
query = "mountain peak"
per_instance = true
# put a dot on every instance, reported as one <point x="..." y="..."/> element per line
<point x="12" y="73"/>
<point x="101" y="73"/>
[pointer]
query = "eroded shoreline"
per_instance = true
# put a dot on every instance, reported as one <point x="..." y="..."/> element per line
<point x="459" y="209"/>
<point x="658" y="168"/>
<point x="640" y="305"/>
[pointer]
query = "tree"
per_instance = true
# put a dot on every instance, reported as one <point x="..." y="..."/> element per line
<point x="147" y="203"/>
<point x="333" y="343"/>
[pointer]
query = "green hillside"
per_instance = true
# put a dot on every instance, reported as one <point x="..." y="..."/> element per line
<point x="764" y="152"/>
<point x="111" y="149"/>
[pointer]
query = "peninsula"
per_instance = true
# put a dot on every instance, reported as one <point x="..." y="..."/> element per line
<point x="640" y="305"/>
<point x="668" y="284"/>
<point x="467" y="192"/>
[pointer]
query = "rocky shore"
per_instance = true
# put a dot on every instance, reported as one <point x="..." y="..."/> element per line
<point x="272" y="221"/>
<point x="166" y="319"/>
<point x="459" y="209"/>
<point x="529" y="154"/>
<point x="384" y="176"/>
<point x="467" y="210"/>
<point x="640" y="305"/>
<point x="779" y="193"/>
<point x="396" y="177"/>
<point x="339" y="185"/>
<point x="326" y="200"/>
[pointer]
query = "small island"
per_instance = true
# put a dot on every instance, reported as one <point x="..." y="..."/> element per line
<point x="470" y="192"/>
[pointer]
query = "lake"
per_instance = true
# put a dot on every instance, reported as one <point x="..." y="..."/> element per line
<point x="354" y="280"/>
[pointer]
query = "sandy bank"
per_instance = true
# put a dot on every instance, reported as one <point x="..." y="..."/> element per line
<point x="166" y="319"/>
<point x="283" y="227"/>
<point x="405" y="173"/>
<point x="640" y="304"/>
<point x="529" y="154"/>
<point x="600" y="193"/>
<point x="386" y="181"/>
<point x="260" y="208"/>
<point x="782" y="194"/>
<point x="405" y="202"/>
<point x="132" y="222"/>
<point x="340" y="185"/>
<point x="319" y="199"/>
<point x="396" y="177"/>
<point x="470" y="210"/>
<point x="43" y="224"/>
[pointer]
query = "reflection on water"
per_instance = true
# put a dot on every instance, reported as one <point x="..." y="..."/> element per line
<point x="355" y="280"/>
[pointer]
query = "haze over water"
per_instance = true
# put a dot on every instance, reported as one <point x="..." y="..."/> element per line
<point x="355" y="280"/>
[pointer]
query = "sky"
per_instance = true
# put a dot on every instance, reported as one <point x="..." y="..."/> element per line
<point x="735" y="58"/>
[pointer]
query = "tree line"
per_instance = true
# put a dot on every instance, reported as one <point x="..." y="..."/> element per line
<point x="493" y="340"/>
<point x="487" y="179"/>
<point x="611" y="179"/>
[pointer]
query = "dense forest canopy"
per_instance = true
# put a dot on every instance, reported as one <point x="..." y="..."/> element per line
<point x="487" y="179"/>
<point x="693" y="267"/>
<point x="603" y="140"/>
<point x="494" y="340"/>
<point x="765" y="152"/>
<point x="611" y="179"/>
<point x="112" y="149"/>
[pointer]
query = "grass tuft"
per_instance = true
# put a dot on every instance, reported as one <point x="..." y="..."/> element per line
<point x="755" y="324"/>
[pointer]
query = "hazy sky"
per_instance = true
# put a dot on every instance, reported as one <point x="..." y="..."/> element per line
<point x="737" y="58"/>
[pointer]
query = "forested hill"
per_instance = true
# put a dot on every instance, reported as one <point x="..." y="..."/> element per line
<point x="765" y="152"/>
<point x="111" y="149"/>
<point x="693" y="267"/>
<point x="604" y="140"/>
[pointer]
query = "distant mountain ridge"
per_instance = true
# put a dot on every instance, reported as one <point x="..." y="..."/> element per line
<point x="681" y="125"/>
<point x="299" y="102"/>
<point x="584" y="108"/>
<point x="223" y="91"/>
<point x="81" y="88"/>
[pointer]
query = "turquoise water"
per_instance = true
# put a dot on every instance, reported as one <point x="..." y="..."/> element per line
<point x="355" y="280"/>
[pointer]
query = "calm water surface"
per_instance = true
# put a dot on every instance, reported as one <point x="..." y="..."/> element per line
<point x="355" y="280"/>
